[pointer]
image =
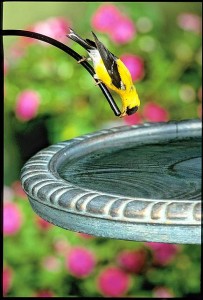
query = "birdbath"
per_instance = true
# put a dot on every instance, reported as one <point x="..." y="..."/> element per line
<point x="139" y="183"/>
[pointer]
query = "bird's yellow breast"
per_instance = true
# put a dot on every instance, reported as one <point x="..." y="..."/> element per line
<point x="128" y="95"/>
<point x="104" y="76"/>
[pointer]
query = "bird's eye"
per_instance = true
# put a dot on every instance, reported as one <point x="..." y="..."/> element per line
<point x="132" y="110"/>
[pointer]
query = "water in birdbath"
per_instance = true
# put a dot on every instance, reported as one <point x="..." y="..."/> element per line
<point x="169" y="170"/>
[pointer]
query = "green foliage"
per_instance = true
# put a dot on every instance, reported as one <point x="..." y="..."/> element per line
<point x="26" y="251"/>
<point x="68" y="93"/>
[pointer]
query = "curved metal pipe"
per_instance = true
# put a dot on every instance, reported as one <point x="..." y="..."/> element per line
<point x="69" y="51"/>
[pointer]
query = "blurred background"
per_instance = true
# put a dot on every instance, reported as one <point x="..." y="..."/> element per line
<point x="49" y="98"/>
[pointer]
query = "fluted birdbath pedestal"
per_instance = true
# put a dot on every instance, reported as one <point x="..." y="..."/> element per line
<point x="140" y="183"/>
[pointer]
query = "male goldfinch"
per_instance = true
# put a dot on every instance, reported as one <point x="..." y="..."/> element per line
<point x="111" y="71"/>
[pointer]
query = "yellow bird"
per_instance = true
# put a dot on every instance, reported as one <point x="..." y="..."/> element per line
<point x="111" y="71"/>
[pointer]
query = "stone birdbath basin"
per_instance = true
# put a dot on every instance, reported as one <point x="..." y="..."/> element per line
<point x="140" y="183"/>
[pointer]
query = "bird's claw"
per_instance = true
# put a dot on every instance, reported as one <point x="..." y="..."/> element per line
<point x="123" y="114"/>
<point x="82" y="59"/>
<point x="98" y="82"/>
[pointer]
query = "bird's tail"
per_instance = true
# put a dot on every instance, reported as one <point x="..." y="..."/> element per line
<point x="84" y="43"/>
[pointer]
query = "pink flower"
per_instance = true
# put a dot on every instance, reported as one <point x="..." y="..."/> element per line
<point x="18" y="190"/>
<point x="51" y="263"/>
<point x="43" y="224"/>
<point x="162" y="292"/>
<point x="163" y="253"/>
<point x="190" y="22"/>
<point x="12" y="218"/>
<point x="113" y="282"/>
<point x="155" y="113"/>
<point x="61" y="246"/>
<point x="7" y="279"/>
<point x="123" y="32"/>
<point x="80" y="262"/>
<point x="135" y="65"/>
<point x="109" y="19"/>
<point x="133" y="119"/>
<point x="152" y="112"/>
<point x="27" y="105"/>
<point x="55" y="28"/>
<point x="132" y="261"/>
<point x="106" y="17"/>
<point x="44" y="293"/>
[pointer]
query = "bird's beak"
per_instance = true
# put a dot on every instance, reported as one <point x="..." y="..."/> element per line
<point x="130" y="111"/>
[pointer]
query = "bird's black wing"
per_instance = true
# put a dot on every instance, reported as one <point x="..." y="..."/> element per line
<point x="90" y="42"/>
<point x="109" y="60"/>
